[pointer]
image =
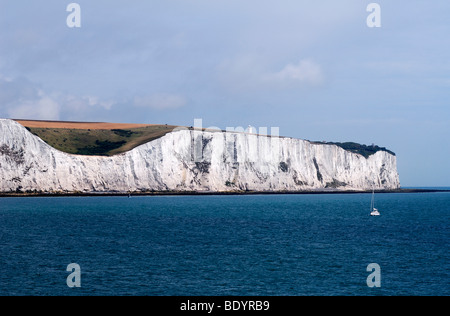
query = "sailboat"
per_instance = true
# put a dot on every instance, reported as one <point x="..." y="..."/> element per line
<point x="373" y="210"/>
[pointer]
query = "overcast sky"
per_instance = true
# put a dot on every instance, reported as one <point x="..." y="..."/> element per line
<point x="312" y="68"/>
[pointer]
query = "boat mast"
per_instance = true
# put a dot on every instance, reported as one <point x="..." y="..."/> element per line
<point x="372" y="204"/>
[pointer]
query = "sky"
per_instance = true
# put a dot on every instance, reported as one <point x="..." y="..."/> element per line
<point x="314" y="69"/>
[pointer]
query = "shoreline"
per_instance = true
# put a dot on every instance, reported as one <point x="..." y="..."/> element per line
<point x="206" y="193"/>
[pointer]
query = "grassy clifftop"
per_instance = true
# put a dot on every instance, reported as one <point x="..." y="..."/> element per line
<point x="94" y="138"/>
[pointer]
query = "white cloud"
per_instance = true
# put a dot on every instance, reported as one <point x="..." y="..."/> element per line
<point x="252" y="73"/>
<point x="306" y="71"/>
<point x="160" y="101"/>
<point x="77" y="104"/>
<point x="21" y="98"/>
<point x="44" y="107"/>
<point x="95" y="101"/>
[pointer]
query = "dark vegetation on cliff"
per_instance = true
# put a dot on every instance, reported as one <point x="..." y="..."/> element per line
<point x="363" y="150"/>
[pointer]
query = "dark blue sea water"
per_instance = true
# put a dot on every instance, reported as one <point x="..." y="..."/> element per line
<point x="226" y="245"/>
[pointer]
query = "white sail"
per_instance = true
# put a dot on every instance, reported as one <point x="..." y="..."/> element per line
<point x="373" y="210"/>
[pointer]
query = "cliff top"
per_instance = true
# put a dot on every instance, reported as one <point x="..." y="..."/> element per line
<point x="95" y="138"/>
<point x="363" y="150"/>
<point x="108" y="139"/>
<point x="79" y="125"/>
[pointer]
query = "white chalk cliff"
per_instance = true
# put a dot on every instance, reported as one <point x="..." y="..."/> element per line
<point x="189" y="160"/>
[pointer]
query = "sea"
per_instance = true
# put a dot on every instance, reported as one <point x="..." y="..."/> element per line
<point x="220" y="245"/>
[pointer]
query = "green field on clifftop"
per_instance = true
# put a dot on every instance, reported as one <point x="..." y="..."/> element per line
<point x="100" y="142"/>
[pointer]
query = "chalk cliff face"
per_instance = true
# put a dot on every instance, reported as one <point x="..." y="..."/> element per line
<point x="189" y="160"/>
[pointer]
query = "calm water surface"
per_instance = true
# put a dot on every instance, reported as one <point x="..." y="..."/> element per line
<point x="226" y="245"/>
